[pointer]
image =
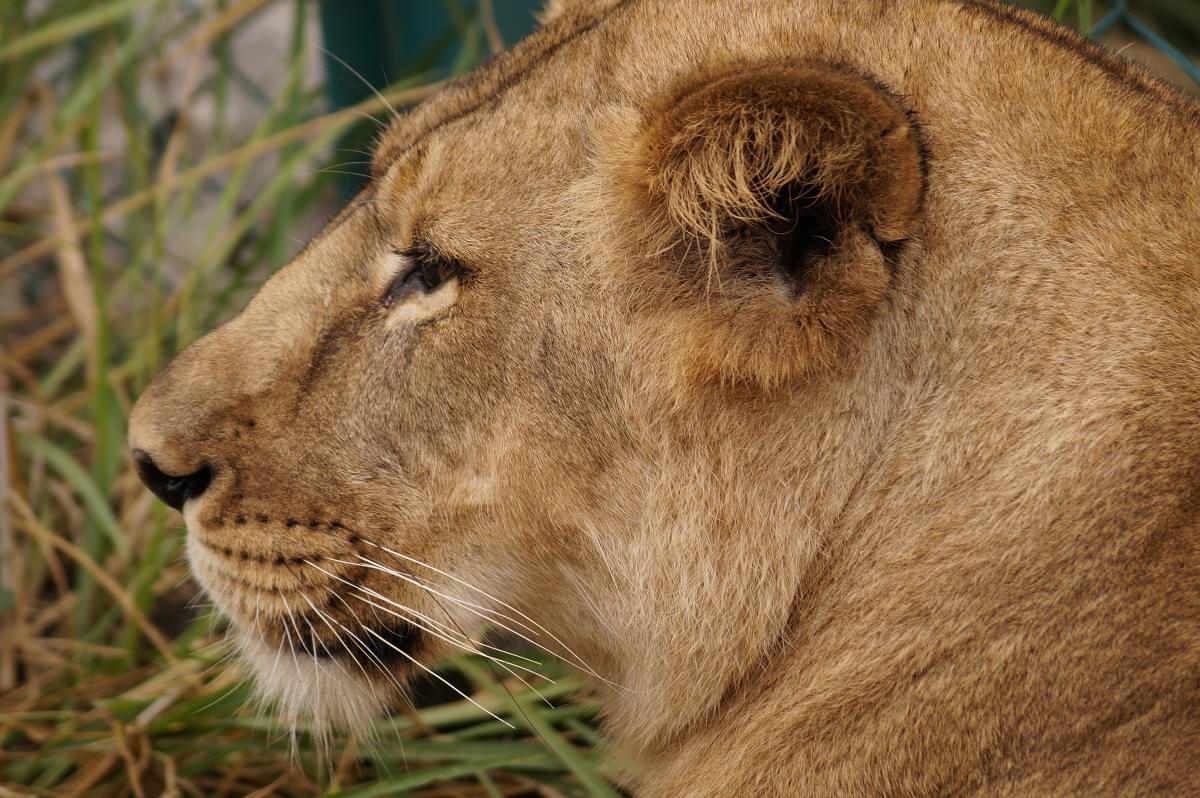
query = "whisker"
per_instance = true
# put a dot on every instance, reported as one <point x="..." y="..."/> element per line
<point x="425" y="585"/>
<point x="414" y="613"/>
<point x="357" y="151"/>
<point x="578" y="660"/>
<point x="349" y="163"/>
<point x="374" y="734"/>
<point x="507" y="666"/>
<point x="415" y="616"/>
<point x="435" y="675"/>
<point x="256" y="624"/>
<point x="367" y="651"/>
<point x="502" y="663"/>
<point x="292" y="719"/>
<point x="469" y="649"/>
<point x="386" y="103"/>
<point x="483" y="612"/>
<point x="508" y="653"/>
<point x="324" y="619"/>
<point x="374" y="738"/>
<point x="312" y="636"/>
<point x="477" y="643"/>
<point x="500" y="682"/>
<point x="300" y="639"/>
<point x="330" y="171"/>
<point x="275" y="664"/>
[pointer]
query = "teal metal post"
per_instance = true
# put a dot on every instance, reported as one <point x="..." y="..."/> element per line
<point x="387" y="42"/>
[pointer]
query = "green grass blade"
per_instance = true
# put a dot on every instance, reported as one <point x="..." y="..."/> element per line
<point x="530" y="713"/>
<point x="420" y="778"/>
<point x="83" y="484"/>
<point x="63" y="30"/>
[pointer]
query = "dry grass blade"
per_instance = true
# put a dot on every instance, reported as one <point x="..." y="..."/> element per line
<point x="72" y="269"/>
<point x="65" y="29"/>
<point x="491" y="29"/>
<point x="321" y="125"/>
<point x="12" y="125"/>
<point x="9" y="617"/>
<point x="30" y="524"/>
<point x="222" y="23"/>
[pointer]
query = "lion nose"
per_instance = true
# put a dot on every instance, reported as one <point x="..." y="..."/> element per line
<point x="173" y="490"/>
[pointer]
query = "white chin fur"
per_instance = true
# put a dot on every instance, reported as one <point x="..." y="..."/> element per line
<point x="324" y="692"/>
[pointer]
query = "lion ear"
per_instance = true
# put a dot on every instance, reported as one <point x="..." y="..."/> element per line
<point x="767" y="206"/>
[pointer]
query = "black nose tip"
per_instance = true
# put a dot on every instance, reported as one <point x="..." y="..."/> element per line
<point x="173" y="490"/>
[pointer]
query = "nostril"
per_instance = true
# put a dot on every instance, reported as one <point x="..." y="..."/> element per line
<point x="173" y="489"/>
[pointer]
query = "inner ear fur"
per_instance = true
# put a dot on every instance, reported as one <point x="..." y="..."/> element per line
<point x="761" y="206"/>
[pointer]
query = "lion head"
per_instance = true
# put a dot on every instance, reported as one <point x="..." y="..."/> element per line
<point x="820" y="367"/>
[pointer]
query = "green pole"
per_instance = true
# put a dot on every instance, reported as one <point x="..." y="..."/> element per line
<point x="393" y="41"/>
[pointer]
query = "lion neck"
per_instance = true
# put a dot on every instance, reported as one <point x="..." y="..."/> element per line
<point x="693" y="600"/>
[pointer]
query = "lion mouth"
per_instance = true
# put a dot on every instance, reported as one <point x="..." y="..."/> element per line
<point x="389" y="644"/>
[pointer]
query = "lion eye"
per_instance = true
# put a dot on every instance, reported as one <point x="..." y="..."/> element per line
<point x="429" y="271"/>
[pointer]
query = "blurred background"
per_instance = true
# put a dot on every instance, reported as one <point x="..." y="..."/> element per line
<point x="158" y="160"/>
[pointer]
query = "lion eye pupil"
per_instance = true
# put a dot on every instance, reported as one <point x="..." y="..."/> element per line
<point x="432" y="274"/>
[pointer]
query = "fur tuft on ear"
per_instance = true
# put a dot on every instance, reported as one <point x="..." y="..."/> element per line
<point x="730" y="149"/>
<point x="766" y="204"/>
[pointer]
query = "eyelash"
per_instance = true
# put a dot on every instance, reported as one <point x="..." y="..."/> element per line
<point x="430" y="270"/>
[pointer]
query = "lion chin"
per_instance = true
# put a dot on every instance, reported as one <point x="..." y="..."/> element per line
<point x="323" y="694"/>
<point x="300" y="678"/>
<point x="311" y="659"/>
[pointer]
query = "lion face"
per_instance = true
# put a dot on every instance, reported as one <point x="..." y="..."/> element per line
<point x="615" y="350"/>
<point x="403" y="411"/>
<point x="459" y="380"/>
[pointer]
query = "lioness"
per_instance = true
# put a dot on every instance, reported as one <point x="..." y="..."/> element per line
<point x="821" y="377"/>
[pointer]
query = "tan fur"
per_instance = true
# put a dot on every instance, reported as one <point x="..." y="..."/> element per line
<point x="920" y="516"/>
